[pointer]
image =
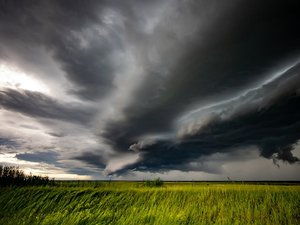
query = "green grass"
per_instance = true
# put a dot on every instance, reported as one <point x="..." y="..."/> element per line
<point x="132" y="203"/>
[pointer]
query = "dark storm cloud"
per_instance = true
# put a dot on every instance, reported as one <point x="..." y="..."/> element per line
<point x="236" y="48"/>
<point x="56" y="134"/>
<point x="83" y="171"/>
<point x="261" y="117"/>
<point x="52" y="158"/>
<point x="93" y="159"/>
<point x="62" y="27"/>
<point x="8" y="143"/>
<point x="263" y="129"/>
<point x="49" y="157"/>
<point x="35" y="104"/>
<point x="151" y="62"/>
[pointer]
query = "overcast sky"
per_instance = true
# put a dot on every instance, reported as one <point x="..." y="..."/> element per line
<point x="182" y="90"/>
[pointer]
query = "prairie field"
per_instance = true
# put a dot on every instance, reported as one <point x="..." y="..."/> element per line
<point x="134" y="203"/>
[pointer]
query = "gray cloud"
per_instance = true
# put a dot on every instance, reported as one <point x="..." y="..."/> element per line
<point x="8" y="143"/>
<point x="37" y="104"/>
<point x="92" y="159"/>
<point x="49" y="157"/>
<point x="168" y="82"/>
<point x="56" y="134"/>
<point x="245" y="121"/>
<point x="75" y="34"/>
<point x="219" y="60"/>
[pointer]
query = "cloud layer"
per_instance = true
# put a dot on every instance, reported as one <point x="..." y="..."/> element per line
<point x="131" y="87"/>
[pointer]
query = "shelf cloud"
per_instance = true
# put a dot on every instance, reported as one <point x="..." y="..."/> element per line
<point x="128" y="88"/>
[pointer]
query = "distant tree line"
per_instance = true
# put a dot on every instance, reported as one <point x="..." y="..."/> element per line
<point x="13" y="176"/>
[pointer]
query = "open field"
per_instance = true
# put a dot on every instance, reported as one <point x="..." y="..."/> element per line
<point x="132" y="203"/>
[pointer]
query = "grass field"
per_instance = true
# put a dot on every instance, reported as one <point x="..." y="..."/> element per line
<point x="132" y="203"/>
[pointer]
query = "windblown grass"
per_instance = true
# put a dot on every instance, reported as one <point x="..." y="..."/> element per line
<point x="133" y="203"/>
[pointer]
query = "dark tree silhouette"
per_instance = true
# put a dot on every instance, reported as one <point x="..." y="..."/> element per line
<point x="13" y="176"/>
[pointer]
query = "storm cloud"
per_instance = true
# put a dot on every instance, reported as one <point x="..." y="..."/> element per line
<point x="124" y="87"/>
<point x="245" y="49"/>
<point x="36" y="104"/>
<point x="265" y="117"/>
